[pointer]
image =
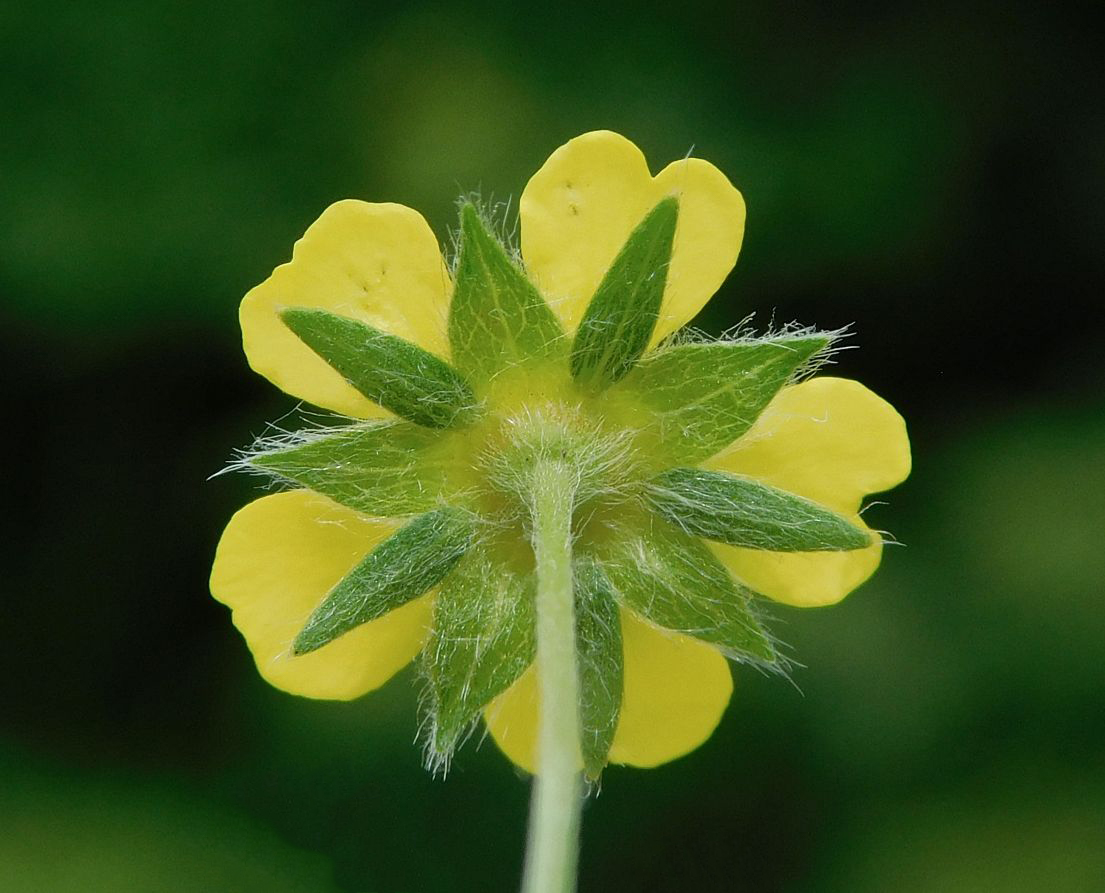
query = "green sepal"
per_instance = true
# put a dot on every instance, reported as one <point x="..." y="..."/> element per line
<point x="497" y="317"/>
<point x="673" y="580"/>
<point x="743" y="512"/>
<point x="599" y="661"/>
<point x="482" y="640"/>
<point x="384" y="469"/>
<point x="400" y="376"/>
<point x="705" y="396"/>
<point x="619" y="321"/>
<point x="404" y="566"/>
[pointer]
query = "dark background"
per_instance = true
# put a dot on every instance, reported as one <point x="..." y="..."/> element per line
<point x="933" y="174"/>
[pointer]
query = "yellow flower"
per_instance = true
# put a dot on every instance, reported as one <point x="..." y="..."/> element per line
<point x="829" y="440"/>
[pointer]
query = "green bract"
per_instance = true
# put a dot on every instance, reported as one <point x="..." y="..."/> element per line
<point x="402" y="567"/>
<point x="743" y="512"/>
<point x="704" y="396"/>
<point x="497" y="318"/>
<point x="599" y="659"/>
<point x="619" y="321"/>
<point x="458" y="466"/>
<point x="482" y="640"/>
<point x="398" y="375"/>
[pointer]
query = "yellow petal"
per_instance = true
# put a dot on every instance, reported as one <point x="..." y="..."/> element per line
<point x="802" y="579"/>
<point x="830" y="440"/>
<point x="676" y="689"/>
<point x="579" y="208"/>
<point x="512" y="720"/>
<point x="707" y="241"/>
<point x="378" y="263"/>
<point x="276" y="561"/>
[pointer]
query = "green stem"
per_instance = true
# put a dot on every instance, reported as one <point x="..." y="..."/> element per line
<point x="558" y="792"/>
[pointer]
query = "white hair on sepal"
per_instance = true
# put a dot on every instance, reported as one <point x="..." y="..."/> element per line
<point x="314" y="425"/>
<point x="499" y="217"/>
<point x="886" y="538"/>
<point x="743" y="333"/>
<point x="435" y="761"/>
<point x="279" y="440"/>
<point x="439" y="760"/>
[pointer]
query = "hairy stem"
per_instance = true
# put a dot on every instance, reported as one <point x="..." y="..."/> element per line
<point x="557" y="793"/>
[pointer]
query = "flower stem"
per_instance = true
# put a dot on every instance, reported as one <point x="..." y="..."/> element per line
<point x="557" y="793"/>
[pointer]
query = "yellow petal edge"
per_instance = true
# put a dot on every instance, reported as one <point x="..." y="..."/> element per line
<point x="830" y="440"/>
<point x="278" y="558"/>
<point x="377" y="263"/>
<point x="675" y="691"/>
<point x="578" y="210"/>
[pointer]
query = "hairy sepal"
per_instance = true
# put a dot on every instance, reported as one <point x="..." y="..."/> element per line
<point x="404" y="566"/>
<point x="400" y="376"/>
<point x="704" y="396"/>
<point x="482" y="640"/>
<point x="383" y="469"/>
<point x="743" y="512"/>
<point x="497" y="318"/>
<point x="619" y="321"/>
<point x="673" y="580"/>
<point x="599" y="661"/>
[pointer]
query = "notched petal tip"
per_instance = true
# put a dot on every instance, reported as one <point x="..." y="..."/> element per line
<point x="277" y="559"/>
<point x="580" y="207"/>
<point x="831" y="440"/>
<point x="622" y="314"/>
<point x="377" y="263"/>
<point x="396" y="374"/>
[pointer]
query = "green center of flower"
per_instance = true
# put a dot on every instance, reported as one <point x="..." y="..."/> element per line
<point x="560" y="426"/>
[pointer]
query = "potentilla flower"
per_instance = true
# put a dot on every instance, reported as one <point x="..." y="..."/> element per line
<point x="702" y="476"/>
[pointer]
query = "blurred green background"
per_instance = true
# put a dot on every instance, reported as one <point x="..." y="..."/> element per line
<point x="933" y="174"/>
